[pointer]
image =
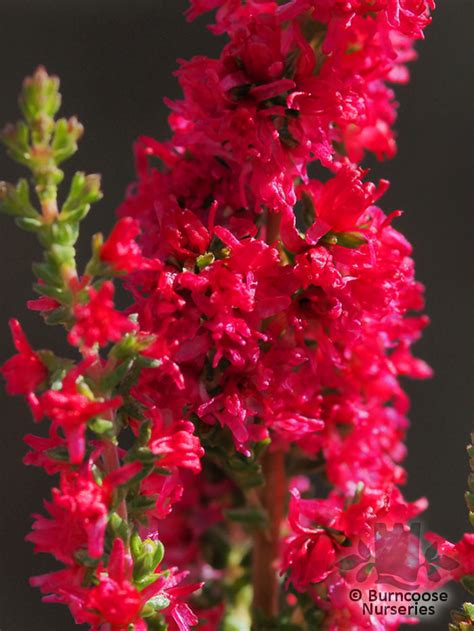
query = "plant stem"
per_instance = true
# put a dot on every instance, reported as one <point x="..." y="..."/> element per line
<point x="267" y="541"/>
<point x="272" y="227"/>
<point x="50" y="210"/>
<point x="266" y="544"/>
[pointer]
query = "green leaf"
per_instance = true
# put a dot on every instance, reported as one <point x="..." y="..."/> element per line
<point x="114" y="377"/>
<point x="48" y="272"/>
<point x="156" y="624"/>
<point x="64" y="234"/>
<point x="85" y="190"/>
<point x="29" y="224"/>
<point x="142" y="503"/>
<point x="132" y="408"/>
<point x="101" y="426"/>
<point x="346" y="239"/>
<point x="58" y="453"/>
<point x="118" y="527"/>
<point x="143" y="454"/>
<point x="136" y="546"/>
<point x="147" y="580"/>
<point x="83" y="558"/>
<point x="158" y="602"/>
<point x="61" y="315"/>
<point x="63" y="253"/>
<point x="204" y="260"/>
<point x="16" y="200"/>
<point x="53" y="292"/>
<point x="66" y="135"/>
<point x="40" y="95"/>
<point x="468" y="583"/>
<point x="16" y="139"/>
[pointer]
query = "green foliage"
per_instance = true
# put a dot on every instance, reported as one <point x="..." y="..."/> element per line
<point x="245" y="471"/>
<point x="470" y="492"/>
<point x="352" y="239"/>
<point x="41" y="143"/>
<point x="463" y="620"/>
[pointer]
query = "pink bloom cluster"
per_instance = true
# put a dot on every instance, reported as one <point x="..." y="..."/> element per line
<point x="284" y="304"/>
<point x="338" y="544"/>
<point x="106" y="583"/>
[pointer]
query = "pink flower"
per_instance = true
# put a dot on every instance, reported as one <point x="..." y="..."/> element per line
<point x="177" y="612"/>
<point x="183" y="234"/>
<point x="175" y="446"/>
<point x="311" y="559"/>
<point x="70" y="410"/>
<point x="43" y="450"/>
<point x="168" y="490"/>
<point x="78" y="511"/>
<point x="120" y="250"/>
<point x="320" y="527"/>
<point x="453" y="560"/>
<point x="43" y="304"/>
<point x="465" y="552"/>
<point x="229" y="411"/>
<point x="25" y="371"/>
<point x="97" y="322"/>
<point x="115" y="600"/>
<point x="343" y="200"/>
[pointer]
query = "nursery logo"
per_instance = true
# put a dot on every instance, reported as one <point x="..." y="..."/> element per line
<point x="396" y="558"/>
<point x="397" y="555"/>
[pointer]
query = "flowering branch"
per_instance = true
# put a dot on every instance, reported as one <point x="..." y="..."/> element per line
<point x="112" y="576"/>
<point x="463" y="620"/>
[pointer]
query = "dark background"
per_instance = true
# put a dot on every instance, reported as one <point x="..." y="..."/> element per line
<point x="116" y="59"/>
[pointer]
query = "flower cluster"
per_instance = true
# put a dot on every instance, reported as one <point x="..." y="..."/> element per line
<point x="285" y="304"/>
<point x="113" y="575"/>
<point x="274" y="310"/>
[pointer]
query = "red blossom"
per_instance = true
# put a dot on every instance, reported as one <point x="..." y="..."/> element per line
<point x="70" y="410"/>
<point x="115" y="600"/>
<point x="120" y="250"/>
<point x="25" y="371"/>
<point x="97" y="321"/>
<point x="175" y="446"/>
<point x="177" y="612"/>
<point x="78" y="518"/>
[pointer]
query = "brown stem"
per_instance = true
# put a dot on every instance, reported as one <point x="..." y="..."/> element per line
<point x="267" y="541"/>
<point x="272" y="227"/>
<point x="50" y="210"/>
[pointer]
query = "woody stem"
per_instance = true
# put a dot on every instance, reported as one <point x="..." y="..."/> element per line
<point x="266" y="541"/>
<point x="272" y="499"/>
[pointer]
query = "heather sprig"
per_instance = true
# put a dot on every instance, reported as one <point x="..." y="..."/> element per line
<point x="463" y="619"/>
<point x="96" y="511"/>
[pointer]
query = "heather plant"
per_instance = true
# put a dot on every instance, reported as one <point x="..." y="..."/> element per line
<point x="230" y="444"/>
